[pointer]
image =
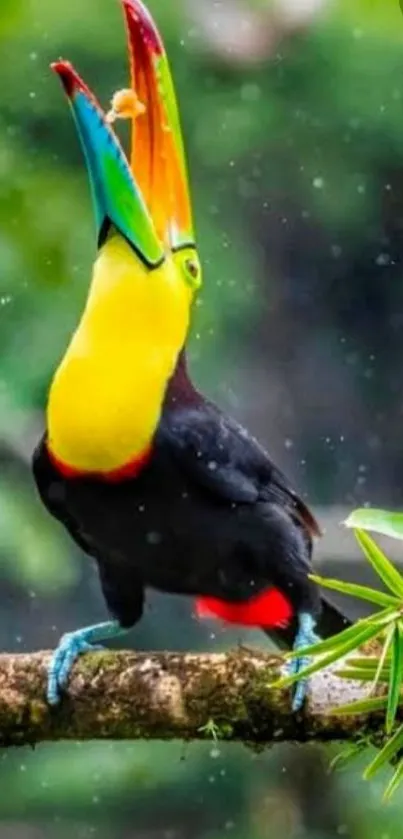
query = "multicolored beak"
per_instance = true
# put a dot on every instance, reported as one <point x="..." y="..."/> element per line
<point x="117" y="198"/>
<point x="148" y="203"/>
<point x="157" y="155"/>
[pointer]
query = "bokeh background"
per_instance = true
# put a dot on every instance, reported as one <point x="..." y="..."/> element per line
<point x="293" y="116"/>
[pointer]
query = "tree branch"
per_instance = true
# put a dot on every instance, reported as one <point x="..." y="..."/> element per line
<point x="128" y="695"/>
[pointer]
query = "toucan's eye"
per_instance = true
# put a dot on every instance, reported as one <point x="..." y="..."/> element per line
<point x="193" y="271"/>
<point x="192" y="268"/>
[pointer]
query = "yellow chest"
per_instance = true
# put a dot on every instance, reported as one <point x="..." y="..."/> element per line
<point x="106" y="398"/>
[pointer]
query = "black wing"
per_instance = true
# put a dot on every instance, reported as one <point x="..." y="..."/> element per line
<point x="224" y="458"/>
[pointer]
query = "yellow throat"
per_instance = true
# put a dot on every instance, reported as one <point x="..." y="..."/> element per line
<point x="106" y="397"/>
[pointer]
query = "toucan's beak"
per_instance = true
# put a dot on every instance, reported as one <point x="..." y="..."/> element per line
<point x="157" y="156"/>
<point x="117" y="198"/>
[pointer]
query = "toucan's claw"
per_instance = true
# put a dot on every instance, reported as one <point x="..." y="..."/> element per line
<point x="70" y="647"/>
<point x="305" y="637"/>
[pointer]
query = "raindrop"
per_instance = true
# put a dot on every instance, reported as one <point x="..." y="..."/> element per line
<point x="318" y="183"/>
<point x="383" y="259"/>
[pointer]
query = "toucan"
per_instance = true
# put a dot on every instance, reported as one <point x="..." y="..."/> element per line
<point x="150" y="478"/>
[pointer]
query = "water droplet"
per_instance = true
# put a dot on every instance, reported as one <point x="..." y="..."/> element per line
<point x="318" y="183"/>
<point x="383" y="259"/>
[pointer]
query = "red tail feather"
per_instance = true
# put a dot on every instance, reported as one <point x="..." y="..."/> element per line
<point x="269" y="608"/>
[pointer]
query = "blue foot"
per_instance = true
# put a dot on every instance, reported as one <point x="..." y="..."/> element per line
<point x="70" y="646"/>
<point x="305" y="636"/>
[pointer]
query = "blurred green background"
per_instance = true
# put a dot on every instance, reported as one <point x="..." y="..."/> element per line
<point x="293" y="116"/>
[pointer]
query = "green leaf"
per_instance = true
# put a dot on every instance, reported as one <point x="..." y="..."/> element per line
<point x="361" y="706"/>
<point x="347" y="755"/>
<point x="379" y="521"/>
<point x="394" y="783"/>
<point x="357" y="674"/>
<point x="362" y="592"/>
<point x="369" y="631"/>
<point x="383" y="567"/>
<point x="380" y="618"/>
<point x="374" y="670"/>
<point x="390" y="748"/>
<point x="383" y="668"/>
<point x="369" y="662"/>
<point x="395" y="680"/>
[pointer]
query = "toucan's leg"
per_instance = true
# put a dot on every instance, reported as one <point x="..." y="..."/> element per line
<point x="70" y="647"/>
<point x="305" y="636"/>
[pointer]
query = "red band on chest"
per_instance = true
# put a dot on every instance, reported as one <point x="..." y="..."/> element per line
<point x="269" y="608"/>
<point x="125" y="472"/>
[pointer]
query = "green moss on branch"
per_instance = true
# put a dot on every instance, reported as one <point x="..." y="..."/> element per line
<point x="127" y="695"/>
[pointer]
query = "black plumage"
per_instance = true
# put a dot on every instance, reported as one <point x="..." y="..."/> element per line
<point x="209" y="516"/>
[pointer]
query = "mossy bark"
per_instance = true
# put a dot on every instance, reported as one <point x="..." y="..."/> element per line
<point x="127" y="695"/>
